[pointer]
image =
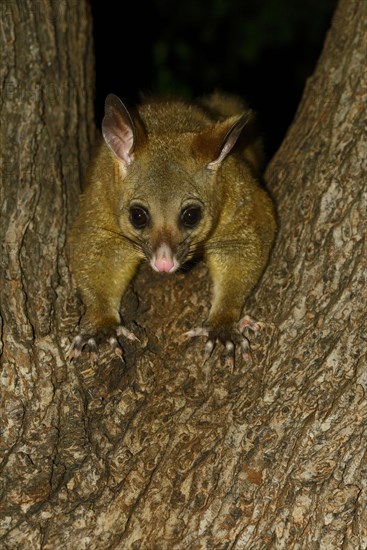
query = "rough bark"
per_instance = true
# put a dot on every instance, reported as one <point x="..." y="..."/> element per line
<point x="162" y="451"/>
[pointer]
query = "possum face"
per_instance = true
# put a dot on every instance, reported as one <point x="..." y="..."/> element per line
<point x="166" y="206"/>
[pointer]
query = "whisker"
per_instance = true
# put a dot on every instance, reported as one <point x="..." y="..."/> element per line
<point x="217" y="245"/>
<point x="137" y="244"/>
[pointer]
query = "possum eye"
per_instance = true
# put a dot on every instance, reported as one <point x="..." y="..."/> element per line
<point x="138" y="216"/>
<point x="190" y="216"/>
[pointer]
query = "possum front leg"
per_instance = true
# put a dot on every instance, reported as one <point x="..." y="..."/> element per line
<point x="233" y="278"/>
<point x="102" y="283"/>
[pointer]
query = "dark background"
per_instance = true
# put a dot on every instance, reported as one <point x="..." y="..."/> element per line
<point x="263" y="50"/>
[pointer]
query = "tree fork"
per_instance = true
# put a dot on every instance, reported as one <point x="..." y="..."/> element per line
<point x="162" y="452"/>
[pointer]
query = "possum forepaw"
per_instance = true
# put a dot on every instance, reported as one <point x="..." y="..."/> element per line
<point x="90" y="342"/>
<point x="230" y="336"/>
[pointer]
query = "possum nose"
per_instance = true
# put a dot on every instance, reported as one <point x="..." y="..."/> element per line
<point x="163" y="265"/>
<point x="163" y="259"/>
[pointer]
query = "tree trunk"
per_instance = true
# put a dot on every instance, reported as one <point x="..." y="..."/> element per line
<point x="162" y="451"/>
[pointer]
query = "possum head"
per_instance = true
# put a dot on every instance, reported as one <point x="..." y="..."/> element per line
<point x="168" y="182"/>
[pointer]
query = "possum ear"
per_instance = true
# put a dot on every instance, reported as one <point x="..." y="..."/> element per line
<point x="216" y="142"/>
<point x="119" y="131"/>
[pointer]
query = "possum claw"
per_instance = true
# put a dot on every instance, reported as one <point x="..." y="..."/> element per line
<point x="91" y="342"/>
<point x="75" y="348"/>
<point x="246" y="350"/>
<point x="198" y="331"/>
<point x="230" y="353"/>
<point x="123" y="331"/>
<point x="230" y="336"/>
<point x="248" y="322"/>
<point x="79" y="344"/>
<point x="208" y="350"/>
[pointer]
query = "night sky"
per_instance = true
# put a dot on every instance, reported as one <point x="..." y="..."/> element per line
<point x="263" y="50"/>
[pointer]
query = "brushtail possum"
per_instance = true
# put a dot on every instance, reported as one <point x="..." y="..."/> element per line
<point x="168" y="182"/>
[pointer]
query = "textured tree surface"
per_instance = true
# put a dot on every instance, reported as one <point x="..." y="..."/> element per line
<point x="162" y="451"/>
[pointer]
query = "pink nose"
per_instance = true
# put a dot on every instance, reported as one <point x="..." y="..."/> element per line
<point x="163" y="265"/>
<point x="163" y="259"/>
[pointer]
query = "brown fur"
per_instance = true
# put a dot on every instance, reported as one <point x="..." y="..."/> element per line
<point x="169" y="169"/>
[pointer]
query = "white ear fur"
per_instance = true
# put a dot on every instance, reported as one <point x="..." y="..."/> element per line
<point x="118" y="129"/>
<point x="230" y="138"/>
